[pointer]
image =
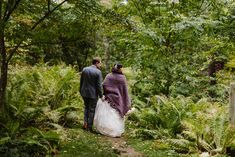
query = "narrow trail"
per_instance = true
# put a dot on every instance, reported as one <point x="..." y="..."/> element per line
<point x="120" y="147"/>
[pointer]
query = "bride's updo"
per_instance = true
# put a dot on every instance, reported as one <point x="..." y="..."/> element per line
<point x="117" y="68"/>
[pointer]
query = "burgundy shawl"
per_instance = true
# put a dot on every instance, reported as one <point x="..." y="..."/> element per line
<point x="116" y="93"/>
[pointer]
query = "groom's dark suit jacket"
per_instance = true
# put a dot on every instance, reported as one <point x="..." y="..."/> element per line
<point x="91" y="82"/>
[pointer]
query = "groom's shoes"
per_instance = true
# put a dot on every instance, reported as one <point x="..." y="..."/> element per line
<point x="84" y="127"/>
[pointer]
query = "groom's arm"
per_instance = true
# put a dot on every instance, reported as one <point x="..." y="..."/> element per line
<point x="99" y="85"/>
<point x="81" y="81"/>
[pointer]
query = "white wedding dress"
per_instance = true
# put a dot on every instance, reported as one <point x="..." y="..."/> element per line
<point x="107" y="120"/>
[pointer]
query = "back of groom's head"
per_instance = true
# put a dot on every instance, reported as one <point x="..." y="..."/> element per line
<point x="96" y="60"/>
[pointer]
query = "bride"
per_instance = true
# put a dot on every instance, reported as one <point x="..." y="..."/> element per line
<point x="110" y="111"/>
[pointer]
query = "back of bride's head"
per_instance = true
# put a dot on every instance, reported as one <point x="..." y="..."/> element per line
<point x="117" y="68"/>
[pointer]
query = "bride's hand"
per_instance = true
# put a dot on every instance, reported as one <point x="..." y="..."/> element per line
<point x="131" y="111"/>
<point x="103" y="98"/>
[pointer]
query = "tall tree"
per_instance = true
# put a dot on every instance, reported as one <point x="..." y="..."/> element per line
<point x="8" y="9"/>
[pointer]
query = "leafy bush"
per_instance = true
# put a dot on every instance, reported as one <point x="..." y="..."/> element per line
<point x="184" y="125"/>
<point x="163" y="114"/>
<point x="41" y="100"/>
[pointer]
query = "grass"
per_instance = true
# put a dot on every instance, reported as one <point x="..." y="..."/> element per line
<point x="84" y="144"/>
<point x="148" y="148"/>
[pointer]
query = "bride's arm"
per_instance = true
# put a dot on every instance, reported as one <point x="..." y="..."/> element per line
<point x="126" y="93"/>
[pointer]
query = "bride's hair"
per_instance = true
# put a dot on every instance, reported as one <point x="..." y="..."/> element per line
<point x="117" y="68"/>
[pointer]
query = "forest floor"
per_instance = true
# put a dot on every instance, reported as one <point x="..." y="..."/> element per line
<point x="119" y="145"/>
<point x="80" y="143"/>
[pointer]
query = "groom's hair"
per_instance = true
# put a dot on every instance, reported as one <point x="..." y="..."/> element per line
<point x="96" y="60"/>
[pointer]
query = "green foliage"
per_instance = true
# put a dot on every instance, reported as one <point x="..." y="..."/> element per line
<point x="173" y="44"/>
<point x="169" y="46"/>
<point x="163" y="115"/>
<point x="209" y="127"/>
<point x="154" y="148"/>
<point x="185" y="126"/>
<point x="31" y="142"/>
<point x="41" y="101"/>
<point x="84" y="144"/>
<point x="33" y="87"/>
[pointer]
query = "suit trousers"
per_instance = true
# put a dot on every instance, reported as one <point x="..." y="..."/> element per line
<point x="89" y="111"/>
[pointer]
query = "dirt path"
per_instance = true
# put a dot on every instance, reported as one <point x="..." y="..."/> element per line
<point x="120" y="147"/>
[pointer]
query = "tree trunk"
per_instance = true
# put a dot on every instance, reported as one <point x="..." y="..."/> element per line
<point x="81" y="58"/>
<point x="232" y="104"/>
<point x="3" y="76"/>
<point x="67" y="58"/>
<point x="107" y="54"/>
<point x="4" y="58"/>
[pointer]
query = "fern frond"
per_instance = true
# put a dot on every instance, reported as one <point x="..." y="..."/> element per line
<point x="180" y="144"/>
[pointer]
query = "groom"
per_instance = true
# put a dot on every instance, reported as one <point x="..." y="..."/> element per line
<point x="90" y="90"/>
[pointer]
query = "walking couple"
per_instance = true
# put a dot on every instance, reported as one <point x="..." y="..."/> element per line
<point x="107" y="113"/>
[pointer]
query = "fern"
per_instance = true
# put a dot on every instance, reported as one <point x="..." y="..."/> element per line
<point x="181" y="145"/>
<point x="40" y="98"/>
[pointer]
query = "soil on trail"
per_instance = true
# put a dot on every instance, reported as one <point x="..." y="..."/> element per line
<point x="121" y="148"/>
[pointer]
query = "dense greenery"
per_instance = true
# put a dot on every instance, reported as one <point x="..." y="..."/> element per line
<point x="180" y="59"/>
<point x="42" y="101"/>
<point x="183" y="126"/>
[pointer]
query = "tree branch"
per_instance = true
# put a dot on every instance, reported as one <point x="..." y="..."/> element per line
<point x="48" y="5"/>
<point x="0" y="10"/>
<point x="12" y="52"/>
<point x="47" y="14"/>
<point x="9" y="10"/>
